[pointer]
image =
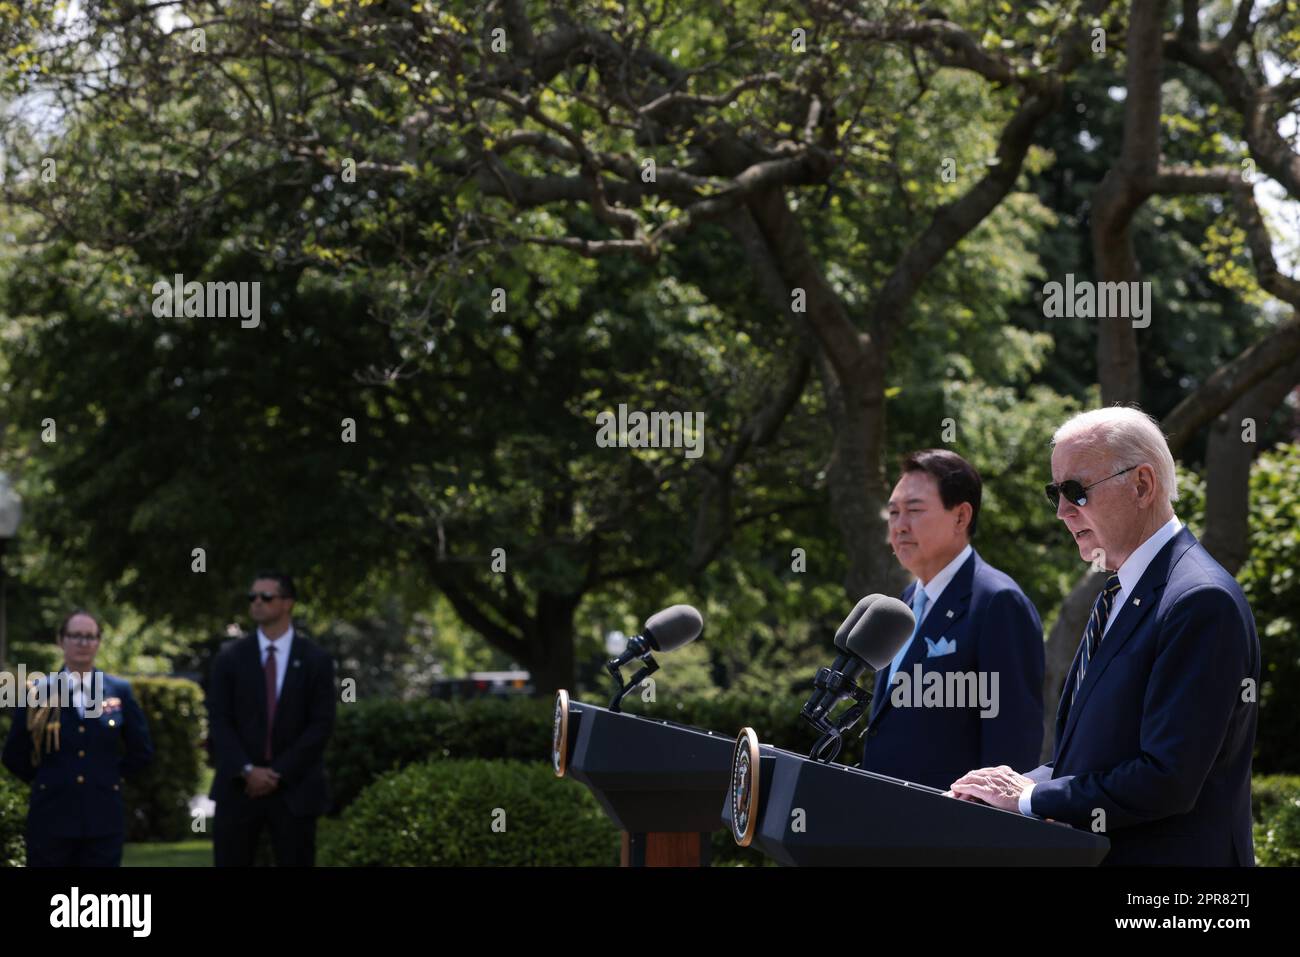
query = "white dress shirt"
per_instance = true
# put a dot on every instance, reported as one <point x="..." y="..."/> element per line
<point x="934" y="588"/>
<point x="80" y="694"/>
<point x="282" y="646"/>
<point x="1130" y="573"/>
<point x="932" y="592"/>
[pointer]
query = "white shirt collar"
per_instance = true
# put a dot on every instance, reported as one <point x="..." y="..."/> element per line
<point x="282" y="644"/>
<point x="945" y="575"/>
<point x="1131" y="572"/>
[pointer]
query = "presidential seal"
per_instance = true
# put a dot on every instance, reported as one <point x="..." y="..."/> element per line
<point x="560" y="734"/>
<point x="744" y="787"/>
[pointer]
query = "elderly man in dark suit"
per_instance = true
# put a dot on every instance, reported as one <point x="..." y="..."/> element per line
<point x="271" y="708"/>
<point x="1156" y="722"/>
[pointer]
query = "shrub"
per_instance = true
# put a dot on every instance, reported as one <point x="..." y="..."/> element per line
<point x="376" y="736"/>
<point x="1275" y="801"/>
<point x="1272" y="587"/>
<point x="450" y="813"/>
<point x="158" y="799"/>
<point x="13" y="821"/>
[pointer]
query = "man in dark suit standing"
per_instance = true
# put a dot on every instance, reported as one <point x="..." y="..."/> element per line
<point x="1156" y="723"/>
<point x="967" y="688"/>
<point x="270" y="709"/>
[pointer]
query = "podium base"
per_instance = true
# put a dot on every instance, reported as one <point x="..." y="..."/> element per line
<point x="665" y="849"/>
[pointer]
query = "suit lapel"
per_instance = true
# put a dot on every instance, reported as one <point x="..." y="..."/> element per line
<point x="292" y="686"/>
<point x="1062" y="707"/>
<point x="939" y="617"/>
<point x="252" y="665"/>
<point x="1136" y="607"/>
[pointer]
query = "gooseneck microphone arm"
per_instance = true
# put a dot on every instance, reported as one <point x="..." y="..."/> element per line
<point x="649" y="667"/>
<point x="665" y="630"/>
<point x="828" y="746"/>
<point x="836" y="685"/>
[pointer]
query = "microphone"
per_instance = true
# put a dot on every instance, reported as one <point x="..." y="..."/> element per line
<point x="845" y="660"/>
<point x="883" y="630"/>
<point x="665" y="630"/>
<point x="883" y="627"/>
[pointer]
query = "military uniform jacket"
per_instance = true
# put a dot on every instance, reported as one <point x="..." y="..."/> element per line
<point x="77" y="785"/>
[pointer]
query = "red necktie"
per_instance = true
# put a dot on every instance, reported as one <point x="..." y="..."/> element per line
<point x="270" y="695"/>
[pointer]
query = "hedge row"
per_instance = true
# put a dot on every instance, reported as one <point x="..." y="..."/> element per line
<point x="158" y="799"/>
<point x="373" y="737"/>
<point x="1275" y="800"/>
<point x="13" y="821"/>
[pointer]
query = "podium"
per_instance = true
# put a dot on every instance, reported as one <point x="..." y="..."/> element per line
<point x="660" y="782"/>
<point x="803" y="812"/>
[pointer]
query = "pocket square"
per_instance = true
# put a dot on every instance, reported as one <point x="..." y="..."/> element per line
<point x="937" y="649"/>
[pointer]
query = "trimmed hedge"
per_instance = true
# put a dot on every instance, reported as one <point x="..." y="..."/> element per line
<point x="454" y="813"/>
<point x="1275" y="801"/>
<point x="372" y="737"/>
<point x="158" y="799"/>
<point x="13" y="821"/>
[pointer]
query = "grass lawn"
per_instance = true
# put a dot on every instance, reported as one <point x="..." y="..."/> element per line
<point x="195" y="853"/>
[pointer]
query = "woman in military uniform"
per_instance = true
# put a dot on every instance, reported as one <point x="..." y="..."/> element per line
<point x="75" y="737"/>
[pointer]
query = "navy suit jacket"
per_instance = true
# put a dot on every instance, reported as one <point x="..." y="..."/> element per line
<point x="77" y="789"/>
<point x="304" y="718"/>
<point x="1160" y="736"/>
<point x="995" y="629"/>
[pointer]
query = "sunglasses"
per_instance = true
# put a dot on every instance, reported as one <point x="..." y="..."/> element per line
<point x="1073" y="491"/>
<point x="266" y="596"/>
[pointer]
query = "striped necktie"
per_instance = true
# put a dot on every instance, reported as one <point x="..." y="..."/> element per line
<point x="1096" y="627"/>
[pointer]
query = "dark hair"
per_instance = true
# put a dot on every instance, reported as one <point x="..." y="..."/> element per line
<point x="63" y="625"/>
<point x="284" y="581"/>
<point x="957" y="478"/>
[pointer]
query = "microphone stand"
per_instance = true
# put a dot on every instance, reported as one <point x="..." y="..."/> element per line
<point x="827" y="747"/>
<point x="650" y="666"/>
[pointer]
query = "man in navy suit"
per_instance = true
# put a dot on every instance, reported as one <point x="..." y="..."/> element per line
<point x="271" y="709"/>
<point x="1156" y="722"/>
<point x="967" y="688"/>
<point x="74" y="741"/>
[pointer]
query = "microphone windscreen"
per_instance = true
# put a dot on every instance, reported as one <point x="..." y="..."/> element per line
<point x="883" y="629"/>
<point x="855" y="616"/>
<point x="673" y="627"/>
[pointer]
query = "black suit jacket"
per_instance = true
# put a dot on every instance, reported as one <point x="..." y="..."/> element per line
<point x="304" y="718"/>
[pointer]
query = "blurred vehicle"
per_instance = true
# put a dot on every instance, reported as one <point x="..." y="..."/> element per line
<point x="483" y="684"/>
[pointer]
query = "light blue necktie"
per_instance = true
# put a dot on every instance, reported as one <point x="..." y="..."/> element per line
<point x="918" y="610"/>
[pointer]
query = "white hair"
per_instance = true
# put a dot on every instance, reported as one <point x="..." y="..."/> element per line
<point x="1128" y="436"/>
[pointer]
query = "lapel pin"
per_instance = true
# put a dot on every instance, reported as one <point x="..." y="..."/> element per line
<point x="297" y="662"/>
<point x="1137" y="601"/>
<point x="949" y="612"/>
